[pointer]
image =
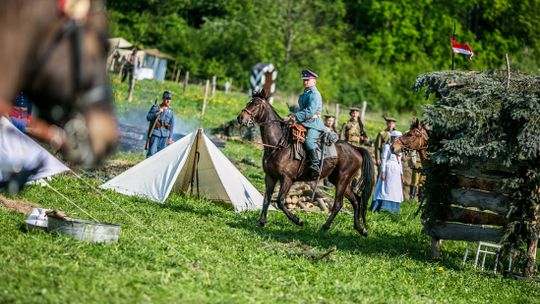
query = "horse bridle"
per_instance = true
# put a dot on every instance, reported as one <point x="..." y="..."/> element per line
<point x="418" y="133"/>
<point x="252" y="120"/>
<point x="77" y="143"/>
<point x="72" y="29"/>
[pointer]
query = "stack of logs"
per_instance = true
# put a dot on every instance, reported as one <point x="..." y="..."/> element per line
<point x="299" y="198"/>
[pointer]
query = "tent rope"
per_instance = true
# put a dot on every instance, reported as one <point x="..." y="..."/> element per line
<point x="136" y="221"/>
<point x="70" y="201"/>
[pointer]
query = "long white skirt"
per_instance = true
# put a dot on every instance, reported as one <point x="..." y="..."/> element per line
<point x="391" y="188"/>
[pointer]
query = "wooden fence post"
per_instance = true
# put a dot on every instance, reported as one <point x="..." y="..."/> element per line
<point x="173" y="72"/>
<point x="177" y="75"/>
<point x="205" y="99"/>
<point x="186" y="81"/>
<point x="214" y="79"/>
<point x="131" y="85"/>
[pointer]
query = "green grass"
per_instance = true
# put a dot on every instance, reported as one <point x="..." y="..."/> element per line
<point x="216" y="255"/>
<point x="191" y="251"/>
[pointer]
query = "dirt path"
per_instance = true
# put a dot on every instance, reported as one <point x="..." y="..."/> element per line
<point x="16" y="205"/>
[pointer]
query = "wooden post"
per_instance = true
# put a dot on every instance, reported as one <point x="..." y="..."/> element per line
<point x="131" y="86"/>
<point x="530" y="267"/>
<point x="177" y="75"/>
<point x="173" y="72"/>
<point x="186" y="81"/>
<point x="205" y="99"/>
<point x="453" y="53"/>
<point x="363" y="112"/>
<point x="227" y="86"/>
<point x="507" y="71"/>
<point x="436" y="247"/>
<point x="214" y="86"/>
<point x="336" y="121"/>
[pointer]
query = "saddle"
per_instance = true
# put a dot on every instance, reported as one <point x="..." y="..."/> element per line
<point x="298" y="137"/>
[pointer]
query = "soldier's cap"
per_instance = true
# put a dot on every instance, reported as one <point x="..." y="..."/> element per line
<point x="329" y="116"/>
<point x="166" y="95"/>
<point x="307" y="74"/>
<point x="22" y="101"/>
<point x="389" y="118"/>
<point x="354" y="109"/>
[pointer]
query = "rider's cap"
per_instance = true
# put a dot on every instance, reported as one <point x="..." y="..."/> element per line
<point x="166" y="95"/>
<point x="354" y="109"/>
<point x="389" y="118"/>
<point x="329" y="116"/>
<point x="307" y="74"/>
<point x="395" y="133"/>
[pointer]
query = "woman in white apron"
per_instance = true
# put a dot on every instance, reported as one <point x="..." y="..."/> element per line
<point x="389" y="192"/>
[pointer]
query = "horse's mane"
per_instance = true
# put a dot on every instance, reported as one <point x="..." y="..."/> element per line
<point x="262" y="95"/>
<point x="283" y="124"/>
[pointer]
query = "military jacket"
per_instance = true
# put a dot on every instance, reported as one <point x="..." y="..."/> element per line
<point x="310" y="108"/>
<point x="165" y="121"/>
<point x="353" y="132"/>
<point x="382" y="138"/>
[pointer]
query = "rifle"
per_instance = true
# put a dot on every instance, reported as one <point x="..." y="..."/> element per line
<point x="151" y="127"/>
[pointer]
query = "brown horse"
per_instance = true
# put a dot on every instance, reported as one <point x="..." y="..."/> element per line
<point x="279" y="165"/>
<point x="55" y="52"/>
<point x="415" y="139"/>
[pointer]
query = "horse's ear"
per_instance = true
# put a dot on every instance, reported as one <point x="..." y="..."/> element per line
<point x="416" y="123"/>
<point x="263" y="93"/>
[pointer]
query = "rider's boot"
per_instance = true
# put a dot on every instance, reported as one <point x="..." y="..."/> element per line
<point x="314" y="163"/>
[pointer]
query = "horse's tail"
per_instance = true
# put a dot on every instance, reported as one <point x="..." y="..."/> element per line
<point x="366" y="182"/>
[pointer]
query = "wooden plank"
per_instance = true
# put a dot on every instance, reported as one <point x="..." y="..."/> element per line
<point x="462" y="232"/>
<point x="530" y="267"/>
<point x="480" y="199"/>
<point x="435" y="247"/>
<point x="479" y="182"/>
<point x="468" y="216"/>
<point x="485" y="168"/>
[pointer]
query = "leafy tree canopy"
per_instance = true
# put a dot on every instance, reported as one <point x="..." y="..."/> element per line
<point x="363" y="50"/>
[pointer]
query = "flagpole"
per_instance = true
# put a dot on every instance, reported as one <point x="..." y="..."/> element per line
<point x="453" y="53"/>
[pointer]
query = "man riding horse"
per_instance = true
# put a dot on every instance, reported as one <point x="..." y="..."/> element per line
<point x="309" y="116"/>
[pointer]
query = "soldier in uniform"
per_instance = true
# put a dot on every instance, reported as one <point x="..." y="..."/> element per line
<point x="330" y="127"/>
<point x="161" y="118"/>
<point x="329" y="123"/>
<point x="309" y="116"/>
<point x="21" y="113"/>
<point x="353" y="130"/>
<point x="383" y="137"/>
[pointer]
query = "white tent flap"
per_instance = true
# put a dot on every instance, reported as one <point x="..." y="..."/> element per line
<point x="17" y="150"/>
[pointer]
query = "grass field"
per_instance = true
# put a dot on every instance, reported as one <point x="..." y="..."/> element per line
<point x="191" y="250"/>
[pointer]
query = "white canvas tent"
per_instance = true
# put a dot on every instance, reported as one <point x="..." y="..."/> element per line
<point x="17" y="150"/>
<point x="191" y="165"/>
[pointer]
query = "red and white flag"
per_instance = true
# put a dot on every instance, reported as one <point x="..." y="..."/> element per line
<point x="464" y="49"/>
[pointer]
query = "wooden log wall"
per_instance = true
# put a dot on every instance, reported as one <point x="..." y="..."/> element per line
<point x="478" y="210"/>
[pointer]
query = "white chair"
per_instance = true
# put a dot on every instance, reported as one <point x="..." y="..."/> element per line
<point x="486" y="248"/>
